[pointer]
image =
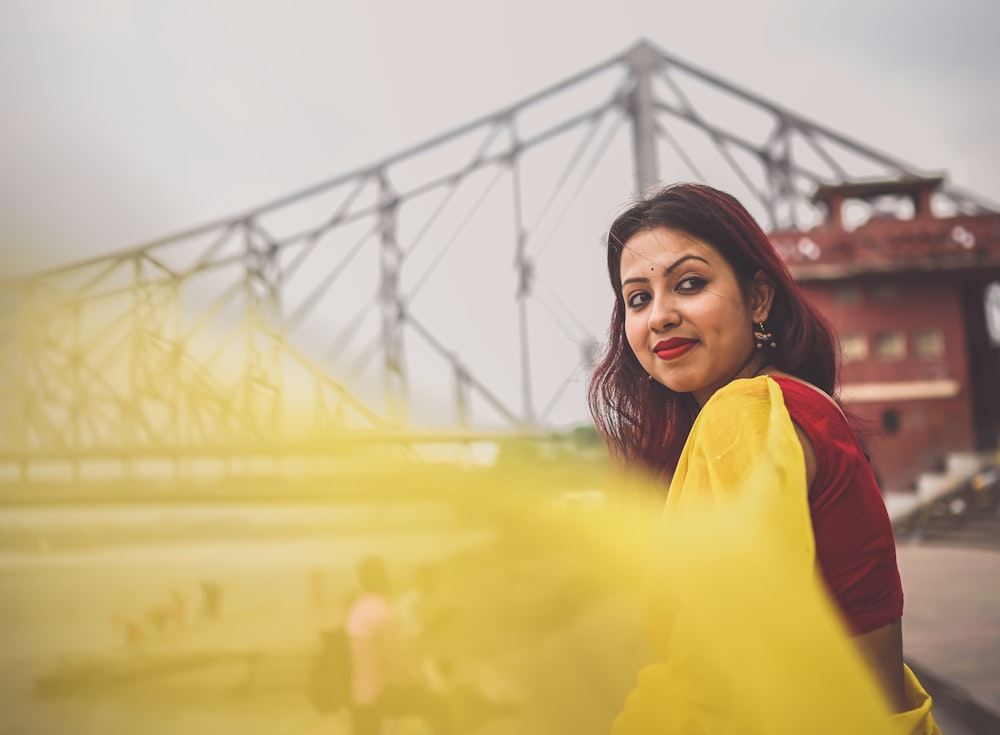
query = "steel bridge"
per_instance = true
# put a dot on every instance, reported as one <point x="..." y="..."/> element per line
<point x="451" y="290"/>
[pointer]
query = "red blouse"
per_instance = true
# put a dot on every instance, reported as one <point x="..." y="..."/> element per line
<point x="855" y="548"/>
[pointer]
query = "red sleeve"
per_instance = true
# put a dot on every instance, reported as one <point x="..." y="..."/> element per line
<point x="855" y="548"/>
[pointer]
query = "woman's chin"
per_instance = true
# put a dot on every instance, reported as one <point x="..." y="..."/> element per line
<point x="677" y="381"/>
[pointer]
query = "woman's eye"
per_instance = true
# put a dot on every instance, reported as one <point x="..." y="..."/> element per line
<point x="638" y="299"/>
<point x="691" y="283"/>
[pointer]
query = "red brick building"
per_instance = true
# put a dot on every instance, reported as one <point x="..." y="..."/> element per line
<point x="916" y="303"/>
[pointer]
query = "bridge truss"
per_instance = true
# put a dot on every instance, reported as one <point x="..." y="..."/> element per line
<point x="455" y="287"/>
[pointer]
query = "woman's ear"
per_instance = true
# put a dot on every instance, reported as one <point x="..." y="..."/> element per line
<point x="761" y="296"/>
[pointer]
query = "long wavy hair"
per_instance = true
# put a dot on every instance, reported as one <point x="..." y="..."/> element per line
<point x="644" y="422"/>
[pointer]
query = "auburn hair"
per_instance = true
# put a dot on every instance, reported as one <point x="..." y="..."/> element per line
<point x="644" y="422"/>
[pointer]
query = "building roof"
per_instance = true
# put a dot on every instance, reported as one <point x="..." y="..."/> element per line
<point x="908" y="186"/>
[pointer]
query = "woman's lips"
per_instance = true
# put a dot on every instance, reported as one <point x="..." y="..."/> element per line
<point x="673" y="348"/>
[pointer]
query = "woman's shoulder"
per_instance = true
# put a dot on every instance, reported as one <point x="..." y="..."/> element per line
<point x="739" y="391"/>
<point x="806" y="402"/>
<point x="807" y="405"/>
<point x="740" y="404"/>
<point x="743" y="429"/>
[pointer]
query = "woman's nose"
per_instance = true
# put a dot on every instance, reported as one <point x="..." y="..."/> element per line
<point x="662" y="315"/>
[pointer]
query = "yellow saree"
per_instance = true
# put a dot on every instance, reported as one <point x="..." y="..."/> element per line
<point x="748" y="640"/>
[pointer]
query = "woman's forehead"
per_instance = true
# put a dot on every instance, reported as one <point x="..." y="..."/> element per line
<point x="662" y="246"/>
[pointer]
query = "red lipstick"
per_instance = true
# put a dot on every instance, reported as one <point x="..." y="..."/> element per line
<point x="670" y="349"/>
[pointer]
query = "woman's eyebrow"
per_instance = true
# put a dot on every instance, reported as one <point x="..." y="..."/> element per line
<point x="668" y="270"/>
<point x="671" y="268"/>
<point x="635" y="279"/>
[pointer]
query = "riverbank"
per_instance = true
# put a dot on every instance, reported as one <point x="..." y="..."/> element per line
<point x="520" y="600"/>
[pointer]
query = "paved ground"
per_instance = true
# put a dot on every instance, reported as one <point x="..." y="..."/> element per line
<point x="951" y="628"/>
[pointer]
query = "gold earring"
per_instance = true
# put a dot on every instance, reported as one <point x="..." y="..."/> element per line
<point x="762" y="338"/>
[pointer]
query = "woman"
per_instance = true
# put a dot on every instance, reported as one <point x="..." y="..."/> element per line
<point x="719" y="374"/>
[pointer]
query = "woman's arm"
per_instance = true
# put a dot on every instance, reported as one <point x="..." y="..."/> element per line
<point x="881" y="648"/>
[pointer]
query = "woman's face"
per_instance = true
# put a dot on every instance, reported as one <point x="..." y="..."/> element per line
<point x="687" y="320"/>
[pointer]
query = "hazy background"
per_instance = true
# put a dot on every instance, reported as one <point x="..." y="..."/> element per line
<point x="124" y="121"/>
<point x="127" y="120"/>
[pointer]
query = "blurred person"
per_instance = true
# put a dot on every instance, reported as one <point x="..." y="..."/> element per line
<point x="211" y="599"/>
<point x="179" y="607"/>
<point x="130" y="628"/>
<point x="384" y="681"/>
<point x="774" y="548"/>
<point x="159" y="616"/>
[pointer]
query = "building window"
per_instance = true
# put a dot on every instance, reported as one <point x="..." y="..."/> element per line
<point x="891" y="421"/>
<point x="847" y="293"/>
<point x="886" y="293"/>
<point x="853" y="347"/>
<point x="928" y="343"/>
<point x="890" y="346"/>
<point x="991" y="302"/>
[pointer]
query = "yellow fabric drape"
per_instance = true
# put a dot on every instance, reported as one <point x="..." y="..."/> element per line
<point x="749" y="640"/>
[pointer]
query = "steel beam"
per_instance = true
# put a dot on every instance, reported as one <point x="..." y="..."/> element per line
<point x="643" y="61"/>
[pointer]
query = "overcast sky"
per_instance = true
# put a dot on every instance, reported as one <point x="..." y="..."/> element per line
<point x="127" y="120"/>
